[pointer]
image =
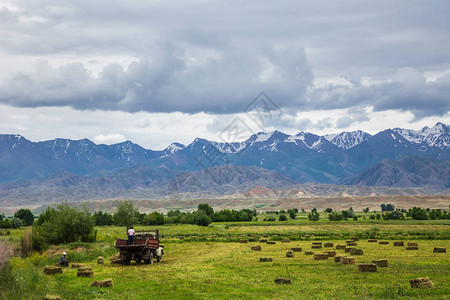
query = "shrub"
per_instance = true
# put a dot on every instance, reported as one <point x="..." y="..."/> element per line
<point x="16" y="222"/>
<point x="282" y="217"/>
<point x="26" y="216"/>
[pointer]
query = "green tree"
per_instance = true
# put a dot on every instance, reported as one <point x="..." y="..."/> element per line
<point x="328" y="210"/>
<point x="206" y="208"/>
<point x="126" y="214"/>
<point x="313" y="216"/>
<point x="366" y="210"/>
<point x="26" y="216"/>
<point x="68" y="224"/>
<point x="292" y="213"/>
<point x="16" y="222"/>
<point x="156" y="218"/>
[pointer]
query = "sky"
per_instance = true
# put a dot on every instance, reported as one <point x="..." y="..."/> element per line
<point x="157" y="72"/>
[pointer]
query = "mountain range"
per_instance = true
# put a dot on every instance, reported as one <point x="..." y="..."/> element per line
<point x="81" y="169"/>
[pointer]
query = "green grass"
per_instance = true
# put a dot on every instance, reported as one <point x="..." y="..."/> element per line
<point x="215" y="266"/>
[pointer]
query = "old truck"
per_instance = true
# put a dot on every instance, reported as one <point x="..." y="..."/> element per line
<point x="145" y="248"/>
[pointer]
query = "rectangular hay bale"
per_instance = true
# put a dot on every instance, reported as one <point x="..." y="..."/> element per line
<point x="399" y="244"/>
<point x="367" y="267"/>
<point x="381" y="263"/>
<point x="440" y="250"/>
<point x="321" y="256"/>
<point x="328" y="245"/>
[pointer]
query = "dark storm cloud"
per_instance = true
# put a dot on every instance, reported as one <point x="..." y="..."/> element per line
<point x="216" y="57"/>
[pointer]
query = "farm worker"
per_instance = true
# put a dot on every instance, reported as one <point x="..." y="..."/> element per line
<point x="63" y="260"/>
<point x="131" y="236"/>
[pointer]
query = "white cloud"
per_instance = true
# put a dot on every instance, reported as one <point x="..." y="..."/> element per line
<point x="108" y="139"/>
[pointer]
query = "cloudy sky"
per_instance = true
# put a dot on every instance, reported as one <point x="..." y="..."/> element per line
<point x="155" y="72"/>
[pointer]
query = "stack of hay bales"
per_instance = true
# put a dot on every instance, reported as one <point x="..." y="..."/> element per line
<point x="265" y="259"/>
<point x="412" y="244"/>
<point x="115" y="259"/>
<point x="271" y="243"/>
<point x="285" y="240"/>
<point x="76" y="266"/>
<point x="309" y="253"/>
<point x="51" y="270"/>
<point x="440" y="250"/>
<point x="383" y="243"/>
<point x="328" y="245"/>
<point x="100" y="260"/>
<point x="282" y="281"/>
<point x="330" y="253"/>
<point x="347" y="260"/>
<point x="421" y="283"/>
<point x="51" y="297"/>
<point x="256" y="248"/>
<point x="383" y="263"/>
<point x="102" y="283"/>
<point x="337" y="258"/>
<point x="372" y="241"/>
<point x="321" y="256"/>
<point x="399" y="244"/>
<point x="340" y="246"/>
<point x="296" y="249"/>
<point x="289" y="253"/>
<point x="356" y="252"/>
<point x="367" y="267"/>
<point x="243" y="241"/>
<point x="85" y="272"/>
<point x="316" y="245"/>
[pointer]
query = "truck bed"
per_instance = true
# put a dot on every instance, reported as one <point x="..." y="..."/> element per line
<point x="138" y="244"/>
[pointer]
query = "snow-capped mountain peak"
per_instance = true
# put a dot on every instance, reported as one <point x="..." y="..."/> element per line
<point x="347" y="140"/>
<point x="174" y="147"/>
<point x="436" y="136"/>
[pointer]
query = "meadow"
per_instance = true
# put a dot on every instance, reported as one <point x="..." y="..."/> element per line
<point x="211" y="263"/>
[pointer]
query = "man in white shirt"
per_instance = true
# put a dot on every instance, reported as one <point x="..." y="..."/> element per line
<point x="131" y="236"/>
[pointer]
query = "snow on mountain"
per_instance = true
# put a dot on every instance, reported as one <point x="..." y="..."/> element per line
<point x="436" y="136"/>
<point x="174" y="147"/>
<point x="347" y="140"/>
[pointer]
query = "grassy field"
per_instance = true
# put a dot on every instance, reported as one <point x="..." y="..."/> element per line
<point x="210" y="263"/>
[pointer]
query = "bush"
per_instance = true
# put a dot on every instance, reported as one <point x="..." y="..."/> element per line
<point x="313" y="216"/>
<point x="26" y="216"/>
<point x="335" y="216"/>
<point x="282" y="217"/>
<point x="16" y="222"/>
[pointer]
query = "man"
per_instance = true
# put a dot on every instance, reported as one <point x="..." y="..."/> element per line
<point x="63" y="261"/>
<point x="131" y="236"/>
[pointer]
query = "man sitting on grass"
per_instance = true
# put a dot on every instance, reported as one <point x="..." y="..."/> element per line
<point x="131" y="236"/>
<point x="63" y="261"/>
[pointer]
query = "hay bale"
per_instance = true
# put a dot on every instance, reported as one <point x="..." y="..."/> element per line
<point x="51" y="270"/>
<point x="85" y="272"/>
<point x="356" y="252"/>
<point x="412" y="248"/>
<point x="340" y="246"/>
<point x="102" y="283"/>
<point x="181" y="237"/>
<point x="347" y="250"/>
<point x="383" y="242"/>
<point x="367" y="267"/>
<point x="421" y="283"/>
<point x="256" y="248"/>
<point x="412" y="245"/>
<point x="316" y="246"/>
<point x="307" y="236"/>
<point x="330" y="253"/>
<point x="383" y="263"/>
<point x="100" y="260"/>
<point x="51" y="297"/>
<point x="262" y="240"/>
<point x="265" y="259"/>
<point x="354" y="238"/>
<point x="440" y="250"/>
<point x="321" y="256"/>
<point x="372" y="241"/>
<point x="328" y="245"/>
<point x="399" y="244"/>
<point x="243" y="241"/>
<point x="296" y="249"/>
<point x="289" y="253"/>
<point x="347" y="260"/>
<point x="309" y="253"/>
<point x="271" y="243"/>
<point x="352" y="244"/>
<point x="76" y="266"/>
<point x="317" y="243"/>
<point x="282" y="281"/>
<point x="338" y="258"/>
<point x="285" y="240"/>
